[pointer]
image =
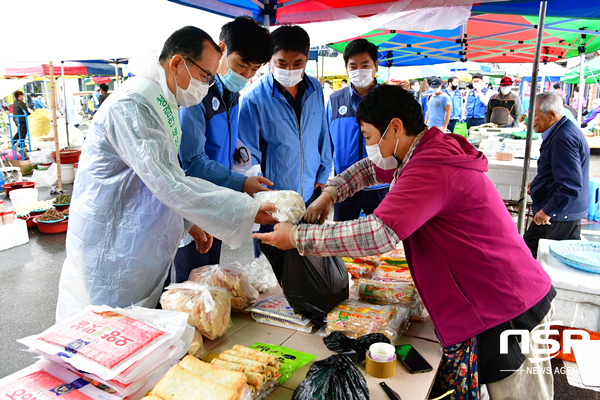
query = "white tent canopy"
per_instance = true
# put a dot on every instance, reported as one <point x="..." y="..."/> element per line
<point x="135" y="26"/>
<point x="8" y="86"/>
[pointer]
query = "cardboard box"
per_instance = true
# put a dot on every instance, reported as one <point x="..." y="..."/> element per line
<point x="25" y="166"/>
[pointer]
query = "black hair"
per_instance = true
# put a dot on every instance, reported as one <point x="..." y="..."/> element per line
<point x="477" y="75"/>
<point x="470" y="86"/>
<point x="187" y="41"/>
<point x="251" y="41"/>
<point x="412" y="82"/>
<point x="344" y="80"/>
<point x="387" y="102"/>
<point x="556" y="86"/>
<point x="331" y="83"/>
<point x="360" y="46"/>
<point x="104" y="87"/>
<point x="451" y="79"/>
<point x="291" y="38"/>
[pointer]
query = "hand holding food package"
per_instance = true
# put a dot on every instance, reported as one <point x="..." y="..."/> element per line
<point x="208" y="308"/>
<point x="290" y="206"/>
<point x="230" y="277"/>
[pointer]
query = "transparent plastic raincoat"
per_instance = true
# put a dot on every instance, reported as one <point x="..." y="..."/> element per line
<point x="132" y="204"/>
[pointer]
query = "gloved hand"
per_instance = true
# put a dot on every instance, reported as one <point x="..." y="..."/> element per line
<point x="584" y="125"/>
<point x="319" y="209"/>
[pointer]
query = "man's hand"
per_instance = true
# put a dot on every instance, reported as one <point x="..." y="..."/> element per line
<point x="203" y="240"/>
<point x="319" y="185"/>
<point x="319" y="209"/>
<point x="254" y="184"/>
<point x="529" y="189"/>
<point x="279" y="238"/>
<point x="541" y="218"/>
<point x="263" y="218"/>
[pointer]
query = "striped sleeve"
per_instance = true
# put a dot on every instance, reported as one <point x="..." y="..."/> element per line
<point x="357" y="177"/>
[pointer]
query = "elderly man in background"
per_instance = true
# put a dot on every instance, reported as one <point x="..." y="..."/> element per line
<point x="560" y="191"/>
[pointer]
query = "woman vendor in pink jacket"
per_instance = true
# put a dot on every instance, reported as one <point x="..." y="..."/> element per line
<point x="475" y="275"/>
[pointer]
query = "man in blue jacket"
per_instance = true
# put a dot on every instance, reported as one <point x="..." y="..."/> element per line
<point x="560" y="191"/>
<point x="457" y="102"/>
<point x="210" y="129"/>
<point x="282" y="119"/>
<point x="349" y="146"/>
<point x="476" y="102"/>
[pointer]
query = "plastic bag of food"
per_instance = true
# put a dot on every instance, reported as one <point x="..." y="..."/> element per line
<point x="418" y="312"/>
<point x="312" y="285"/>
<point x="389" y="273"/>
<point x="395" y="257"/>
<point x="371" y="260"/>
<point x="230" y="277"/>
<point x="46" y="380"/>
<point x="197" y="346"/>
<point x="278" y="307"/>
<point x="208" y="307"/>
<point x="391" y="292"/>
<point x="282" y="323"/>
<point x="356" y="318"/>
<point x="290" y="360"/>
<point x="334" y="378"/>
<point x="359" y="270"/>
<point x="261" y="275"/>
<point x="290" y="206"/>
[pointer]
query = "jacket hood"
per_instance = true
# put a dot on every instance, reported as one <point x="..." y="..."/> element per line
<point x="441" y="148"/>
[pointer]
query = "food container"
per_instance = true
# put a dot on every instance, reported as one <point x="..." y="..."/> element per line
<point x="8" y="217"/>
<point x="52" y="227"/>
<point x="29" y="220"/>
<point x="67" y="173"/>
<point x="382" y="352"/>
<point x="61" y="207"/>
<point x="75" y="167"/>
<point x="380" y="370"/>
<point x="23" y="197"/>
<point x="8" y="187"/>
<point x="67" y="156"/>
<point x="43" y="167"/>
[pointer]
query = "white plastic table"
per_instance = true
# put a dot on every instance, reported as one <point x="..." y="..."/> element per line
<point x="246" y="331"/>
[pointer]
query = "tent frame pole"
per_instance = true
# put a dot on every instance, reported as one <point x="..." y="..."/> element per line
<point x="534" y="80"/>
<point x="62" y="73"/>
<point x="55" y="124"/>
<point x="581" y="87"/>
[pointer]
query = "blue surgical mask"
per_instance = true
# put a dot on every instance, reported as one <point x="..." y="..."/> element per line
<point x="233" y="81"/>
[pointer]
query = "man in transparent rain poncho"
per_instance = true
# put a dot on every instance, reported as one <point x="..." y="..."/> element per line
<point x="132" y="202"/>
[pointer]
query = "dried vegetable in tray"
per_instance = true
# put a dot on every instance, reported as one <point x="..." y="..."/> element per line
<point x="356" y="318"/>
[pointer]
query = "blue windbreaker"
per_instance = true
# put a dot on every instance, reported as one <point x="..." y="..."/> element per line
<point x="208" y="139"/>
<point x="348" y="144"/>
<point x="475" y="108"/>
<point x="293" y="156"/>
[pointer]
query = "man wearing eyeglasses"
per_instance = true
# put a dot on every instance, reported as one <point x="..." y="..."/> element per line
<point x="132" y="202"/>
<point x="209" y="129"/>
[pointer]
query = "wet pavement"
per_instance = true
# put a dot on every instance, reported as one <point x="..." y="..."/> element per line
<point x="29" y="276"/>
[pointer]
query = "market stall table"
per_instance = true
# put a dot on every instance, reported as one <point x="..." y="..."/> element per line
<point x="245" y="331"/>
<point x="507" y="176"/>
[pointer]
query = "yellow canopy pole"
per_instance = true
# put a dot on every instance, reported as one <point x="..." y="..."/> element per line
<point x="55" y="124"/>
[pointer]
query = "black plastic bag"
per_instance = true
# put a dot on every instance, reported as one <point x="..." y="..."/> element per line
<point x="311" y="285"/>
<point x="334" y="378"/>
<point x="356" y="349"/>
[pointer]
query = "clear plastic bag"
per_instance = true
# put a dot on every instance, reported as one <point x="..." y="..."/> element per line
<point x="261" y="275"/>
<point x="355" y="318"/>
<point x="231" y="277"/>
<point x="282" y="323"/>
<point x="197" y="346"/>
<point x="46" y="178"/>
<point x="391" y="292"/>
<point x="290" y="205"/>
<point x="389" y="273"/>
<point x="359" y="270"/>
<point x="208" y="307"/>
<point x="418" y="312"/>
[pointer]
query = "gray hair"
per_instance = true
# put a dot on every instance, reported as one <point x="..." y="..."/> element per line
<point x="550" y="101"/>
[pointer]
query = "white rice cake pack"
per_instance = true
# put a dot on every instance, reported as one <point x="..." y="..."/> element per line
<point x="105" y="341"/>
<point x="45" y="380"/>
<point x="290" y="206"/>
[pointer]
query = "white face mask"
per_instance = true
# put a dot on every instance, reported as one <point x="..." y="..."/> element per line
<point x="505" y="89"/>
<point x="361" y="78"/>
<point x="195" y="92"/>
<point x="287" y="77"/>
<point x="477" y="85"/>
<point x="374" y="154"/>
<point x="437" y="90"/>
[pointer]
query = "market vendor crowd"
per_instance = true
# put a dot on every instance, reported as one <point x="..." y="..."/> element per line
<point x="175" y="155"/>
